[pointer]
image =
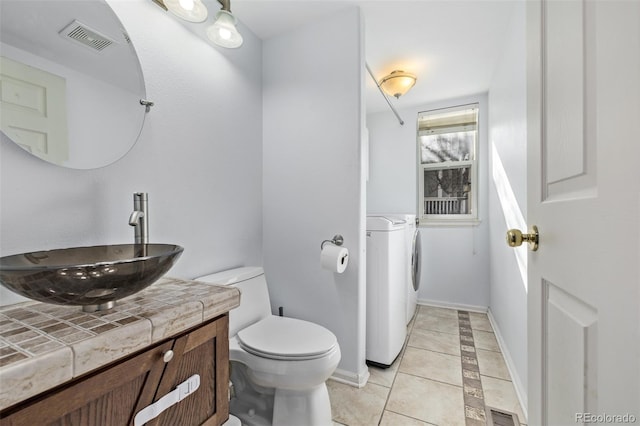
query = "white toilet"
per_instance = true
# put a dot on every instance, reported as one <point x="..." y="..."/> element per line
<point x="279" y="365"/>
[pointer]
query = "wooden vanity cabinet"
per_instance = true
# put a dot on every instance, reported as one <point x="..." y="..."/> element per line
<point x="113" y="395"/>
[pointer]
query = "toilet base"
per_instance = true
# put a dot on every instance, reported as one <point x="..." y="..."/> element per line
<point x="251" y="403"/>
<point x="259" y="406"/>
<point x="310" y="407"/>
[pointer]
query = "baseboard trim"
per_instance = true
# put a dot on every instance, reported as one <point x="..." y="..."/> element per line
<point x="350" y="378"/>
<point x="521" y="391"/>
<point x="458" y="306"/>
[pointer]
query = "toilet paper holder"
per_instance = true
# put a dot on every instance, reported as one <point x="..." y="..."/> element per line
<point x="337" y="240"/>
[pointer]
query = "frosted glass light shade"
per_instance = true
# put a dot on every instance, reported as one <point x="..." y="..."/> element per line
<point x="223" y="32"/>
<point x="189" y="10"/>
<point x="397" y="83"/>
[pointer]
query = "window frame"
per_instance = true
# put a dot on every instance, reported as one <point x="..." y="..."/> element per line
<point x="471" y="218"/>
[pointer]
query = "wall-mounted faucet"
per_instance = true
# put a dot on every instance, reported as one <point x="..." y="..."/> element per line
<point x="140" y="218"/>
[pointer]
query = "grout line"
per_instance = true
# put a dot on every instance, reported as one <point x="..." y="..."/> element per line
<point x="438" y="331"/>
<point x="431" y="380"/>
<point x="496" y="378"/>
<point x="411" y="417"/>
<point x="432" y="350"/>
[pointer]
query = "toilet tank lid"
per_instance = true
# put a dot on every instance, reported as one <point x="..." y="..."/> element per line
<point x="232" y="276"/>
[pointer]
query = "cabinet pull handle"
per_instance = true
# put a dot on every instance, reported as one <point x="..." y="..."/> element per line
<point x="152" y="411"/>
<point x="167" y="356"/>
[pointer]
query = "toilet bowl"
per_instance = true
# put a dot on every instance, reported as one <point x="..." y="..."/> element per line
<point x="279" y="365"/>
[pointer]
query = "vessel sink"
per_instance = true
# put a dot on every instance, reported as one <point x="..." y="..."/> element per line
<point x="91" y="277"/>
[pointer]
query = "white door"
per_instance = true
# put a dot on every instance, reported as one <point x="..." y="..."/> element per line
<point x="34" y="110"/>
<point x="584" y="196"/>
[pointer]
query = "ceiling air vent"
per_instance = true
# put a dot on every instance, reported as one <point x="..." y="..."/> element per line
<point x="82" y="34"/>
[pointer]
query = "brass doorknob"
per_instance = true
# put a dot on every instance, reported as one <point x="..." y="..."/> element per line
<point x="515" y="238"/>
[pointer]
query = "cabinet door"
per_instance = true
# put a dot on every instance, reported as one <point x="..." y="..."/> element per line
<point x="107" y="398"/>
<point x="204" y="351"/>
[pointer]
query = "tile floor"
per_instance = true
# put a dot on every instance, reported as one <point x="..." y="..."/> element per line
<point x="448" y="370"/>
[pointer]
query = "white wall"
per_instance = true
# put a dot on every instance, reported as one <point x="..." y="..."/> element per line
<point x="507" y="198"/>
<point x="199" y="157"/>
<point x="455" y="260"/>
<point x="313" y="120"/>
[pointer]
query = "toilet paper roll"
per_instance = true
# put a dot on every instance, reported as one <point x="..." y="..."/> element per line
<point x="334" y="258"/>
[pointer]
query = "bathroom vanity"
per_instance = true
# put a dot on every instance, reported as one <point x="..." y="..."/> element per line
<point x="59" y="365"/>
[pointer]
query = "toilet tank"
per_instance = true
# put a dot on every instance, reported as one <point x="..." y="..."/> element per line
<point x="254" y="295"/>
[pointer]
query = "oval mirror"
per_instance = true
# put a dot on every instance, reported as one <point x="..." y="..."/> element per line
<point x="71" y="82"/>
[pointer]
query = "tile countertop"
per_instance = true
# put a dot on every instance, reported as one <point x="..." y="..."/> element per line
<point x="44" y="345"/>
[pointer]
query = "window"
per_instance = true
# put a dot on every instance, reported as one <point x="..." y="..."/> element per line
<point x="447" y="166"/>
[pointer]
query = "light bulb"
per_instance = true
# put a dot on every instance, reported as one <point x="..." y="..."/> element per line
<point x="187" y="4"/>
<point x="224" y="33"/>
<point x="189" y="10"/>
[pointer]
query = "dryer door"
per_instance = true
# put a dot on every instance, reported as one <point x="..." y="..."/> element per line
<point x="416" y="260"/>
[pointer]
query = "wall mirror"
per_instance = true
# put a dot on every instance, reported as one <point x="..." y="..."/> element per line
<point x="71" y="82"/>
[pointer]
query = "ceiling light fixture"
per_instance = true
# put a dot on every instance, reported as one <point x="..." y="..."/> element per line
<point x="223" y="32"/>
<point x="397" y="83"/>
<point x="189" y="10"/>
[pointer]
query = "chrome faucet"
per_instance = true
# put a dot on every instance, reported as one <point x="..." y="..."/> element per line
<point x="140" y="218"/>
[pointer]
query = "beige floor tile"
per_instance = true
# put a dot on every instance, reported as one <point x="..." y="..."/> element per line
<point x="427" y="400"/>
<point x="492" y="364"/>
<point x="432" y="365"/>
<point x="389" y="418"/>
<point x="438" y="311"/>
<point x="435" y="341"/>
<point x="384" y="376"/>
<point x="357" y="407"/>
<point x="501" y="394"/>
<point x="444" y="324"/>
<point x="423" y="386"/>
<point x="480" y="321"/>
<point x="485" y="340"/>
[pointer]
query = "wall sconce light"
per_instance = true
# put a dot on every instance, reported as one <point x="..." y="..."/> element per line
<point x="223" y="32"/>
<point x="189" y="10"/>
<point x="397" y="83"/>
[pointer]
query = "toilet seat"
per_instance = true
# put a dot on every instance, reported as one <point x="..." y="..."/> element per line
<point x="283" y="338"/>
